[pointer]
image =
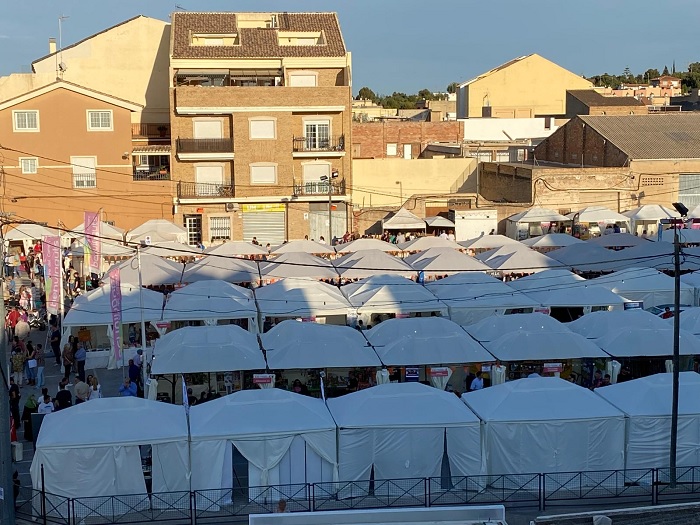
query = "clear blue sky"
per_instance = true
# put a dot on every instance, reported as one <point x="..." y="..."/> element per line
<point x="406" y="45"/>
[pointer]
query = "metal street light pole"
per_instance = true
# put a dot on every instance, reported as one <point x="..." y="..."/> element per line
<point x="683" y="211"/>
<point x="334" y="175"/>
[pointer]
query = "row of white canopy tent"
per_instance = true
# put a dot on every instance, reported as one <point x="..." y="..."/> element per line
<point x="404" y="430"/>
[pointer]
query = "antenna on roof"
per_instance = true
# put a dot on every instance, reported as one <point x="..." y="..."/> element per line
<point x="61" y="66"/>
<point x="179" y="7"/>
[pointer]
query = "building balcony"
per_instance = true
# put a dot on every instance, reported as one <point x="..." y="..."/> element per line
<point x="319" y="188"/>
<point x="205" y="149"/>
<point x="315" y="147"/>
<point x="152" y="173"/>
<point x="204" y="190"/>
<point x="156" y="132"/>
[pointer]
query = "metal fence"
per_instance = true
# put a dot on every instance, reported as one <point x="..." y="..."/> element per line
<point x="635" y="487"/>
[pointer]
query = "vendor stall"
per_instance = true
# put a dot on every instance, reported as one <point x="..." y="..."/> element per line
<point x="587" y="257"/>
<point x="546" y="424"/>
<point x="237" y="249"/>
<point x="157" y="230"/>
<point x="236" y="271"/>
<point x="488" y="242"/>
<point x="153" y="270"/>
<point x="261" y="438"/>
<point x="473" y="296"/>
<point x="404" y="430"/>
<point x="617" y="241"/>
<point x="441" y="262"/>
<point x="598" y="324"/>
<point x="646" y="285"/>
<point x="296" y="350"/>
<point x="533" y="222"/>
<point x="517" y="261"/>
<point x="644" y="220"/>
<point x="592" y="221"/>
<point x="366" y="263"/>
<point x="403" y="220"/>
<point x="550" y="241"/>
<point x="304" y="246"/>
<point x="647" y="404"/>
<point x="383" y="296"/>
<point x="297" y="265"/>
<point x="428" y="344"/>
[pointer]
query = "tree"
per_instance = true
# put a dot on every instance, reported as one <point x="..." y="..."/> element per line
<point x="665" y="72"/>
<point x="366" y="94"/>
<point x="425" y="94"/>
<point x="651" y="73"/>
<point x="694" y="67"/>
<point x="627" y="73"/>
<point x="452" y="87"/>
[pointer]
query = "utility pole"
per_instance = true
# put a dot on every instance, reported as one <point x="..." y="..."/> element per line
<point x="326" y="178"/>
<point x="683" y="211"/>
<point x="6" y="467"/>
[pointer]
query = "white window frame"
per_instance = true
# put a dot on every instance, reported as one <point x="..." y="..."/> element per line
<point x="29" y="171"/>
<point x="263" y="165"/>
<point x="90" y="127"/>
<point x="317" y="142"/>
<point x="17" y="129"/>
<point x="262" y="119"/>
<point x="392" y="147"/>
<point x="303" y="73"/>
<point x="212" y="228"/>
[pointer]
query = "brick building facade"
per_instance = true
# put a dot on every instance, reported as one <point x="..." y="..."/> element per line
<point x="381" y="140"/>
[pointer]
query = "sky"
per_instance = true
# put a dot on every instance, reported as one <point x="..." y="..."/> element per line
<point x="407" y="45"/>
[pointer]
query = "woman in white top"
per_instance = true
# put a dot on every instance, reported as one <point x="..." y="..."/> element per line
<point x="95" y="388"/>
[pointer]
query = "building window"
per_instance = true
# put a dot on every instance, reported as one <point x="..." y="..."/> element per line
<point x="263" y="173"/>
<point x="26" y="120"/>
<point x="689" y="189"/>
<point x="29" y="165"/>
<point x="84" y="172"/>
<point x="262" y="128"/>
<point x="220" y="228"/>
<point x="303" y="79"/>
<point x="391" y="150"/>
<point x="317" y="134"/>
<point x="99" y="120"/>
<point x="193" y="225"/>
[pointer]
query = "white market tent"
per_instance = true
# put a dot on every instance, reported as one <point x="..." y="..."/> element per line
<point x="685" y="236"/>
<point x="598" y="324"/>
<point x="366" y="244"/>
<point x="210" y="302"/>
<point x="657" y="255"/>
<point x="155" y="271"/>
<point x="294" y="345"/>
<point x="199" y="349"/>
<point x="647" y="404"/>
<point x="399" y="430"/>
<point x="223" y="268"/>
<point x="597" y="214"/>
<point x="533" y="337"/>
<point x="551" y="240"/>
<point x="645" y="284"/>
<point x="29" y="232"/>
<point x="303" y="298"/>
<point x="489" y="242"/>
<point x="473" y="296"/>
<point x="427" y="242"/>
<point x="586" y="257"/>
<point x="366" y="263"/>
<point x="94" y="308"/>
<point x="439" y="222"/>
<point x="383" y="294"/>
<point x="305" y="246"/>
<point x="108" y="249"/>
<point x="510" y="259"/>
<point x="435" y="262"/>
<point x="647" y="217"/>
<point x="235" y="248"/>
<point x="425" y="341"/>
<point x="173" y="249"/>
<point x="690" y="320"/>
<point x="547" y="424"/>
<point x="286" y="438"/>
<point x="563" y="289"/>
<point x="107" y="231"/>
<point x="617" y="240"/>
<point x="157" y="230"/>
<point x="646" y="342"/>
<point x="92" y="449"/>
<point x="529" y="223"/>
<point x="296" y="265"/>
<point x="403" y="220"/>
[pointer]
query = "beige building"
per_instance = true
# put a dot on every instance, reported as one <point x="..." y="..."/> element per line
<point x="526" y="87"/>
<point x="67" y="149"/>
<point x="261" y="114"/>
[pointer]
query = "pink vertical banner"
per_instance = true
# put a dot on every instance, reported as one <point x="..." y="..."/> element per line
<point x="115" y="300"/>
<point x="93" y="243"/>
<point x="51" y="252"/>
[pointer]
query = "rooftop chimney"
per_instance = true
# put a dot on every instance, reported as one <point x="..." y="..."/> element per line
<point x="52" y="46"/>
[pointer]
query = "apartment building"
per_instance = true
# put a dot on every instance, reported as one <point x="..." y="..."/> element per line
<point x="67" y="149"/>
<point x="261" y="114"/>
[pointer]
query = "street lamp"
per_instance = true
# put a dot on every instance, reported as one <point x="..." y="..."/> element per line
<point x="683" y="211"/>
<point x="329" y="180"/>
<point x="400" y="193"/>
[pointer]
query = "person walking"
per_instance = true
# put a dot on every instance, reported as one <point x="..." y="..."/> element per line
<point x="15" y="396"/>
<point x="17" y="364"/>
<point x="46" y="406"/>
<point x="64" y="399"/>
<point x="31" y="364"/>
<point x="81" y="390"/>
<point x="95" y="388"/>
<point x="56" y="343"/>
<point x="80" y="356"/>
<point x="68" y="360"/>
<point x="40" y="364"/>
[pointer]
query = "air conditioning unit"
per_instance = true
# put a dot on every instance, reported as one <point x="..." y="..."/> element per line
<point x="232" y="206"/>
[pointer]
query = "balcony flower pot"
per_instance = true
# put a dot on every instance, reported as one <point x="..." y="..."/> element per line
<point x="162" y="130"/>
<point x="163" y="171"/>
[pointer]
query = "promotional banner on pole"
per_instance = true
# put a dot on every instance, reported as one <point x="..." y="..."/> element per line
<point x="51" y="252"/>
<point x="93" y="243"/>
<point x="115" y="300"/>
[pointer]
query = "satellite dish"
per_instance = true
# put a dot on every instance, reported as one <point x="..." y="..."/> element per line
<point x="62" y="67"/>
